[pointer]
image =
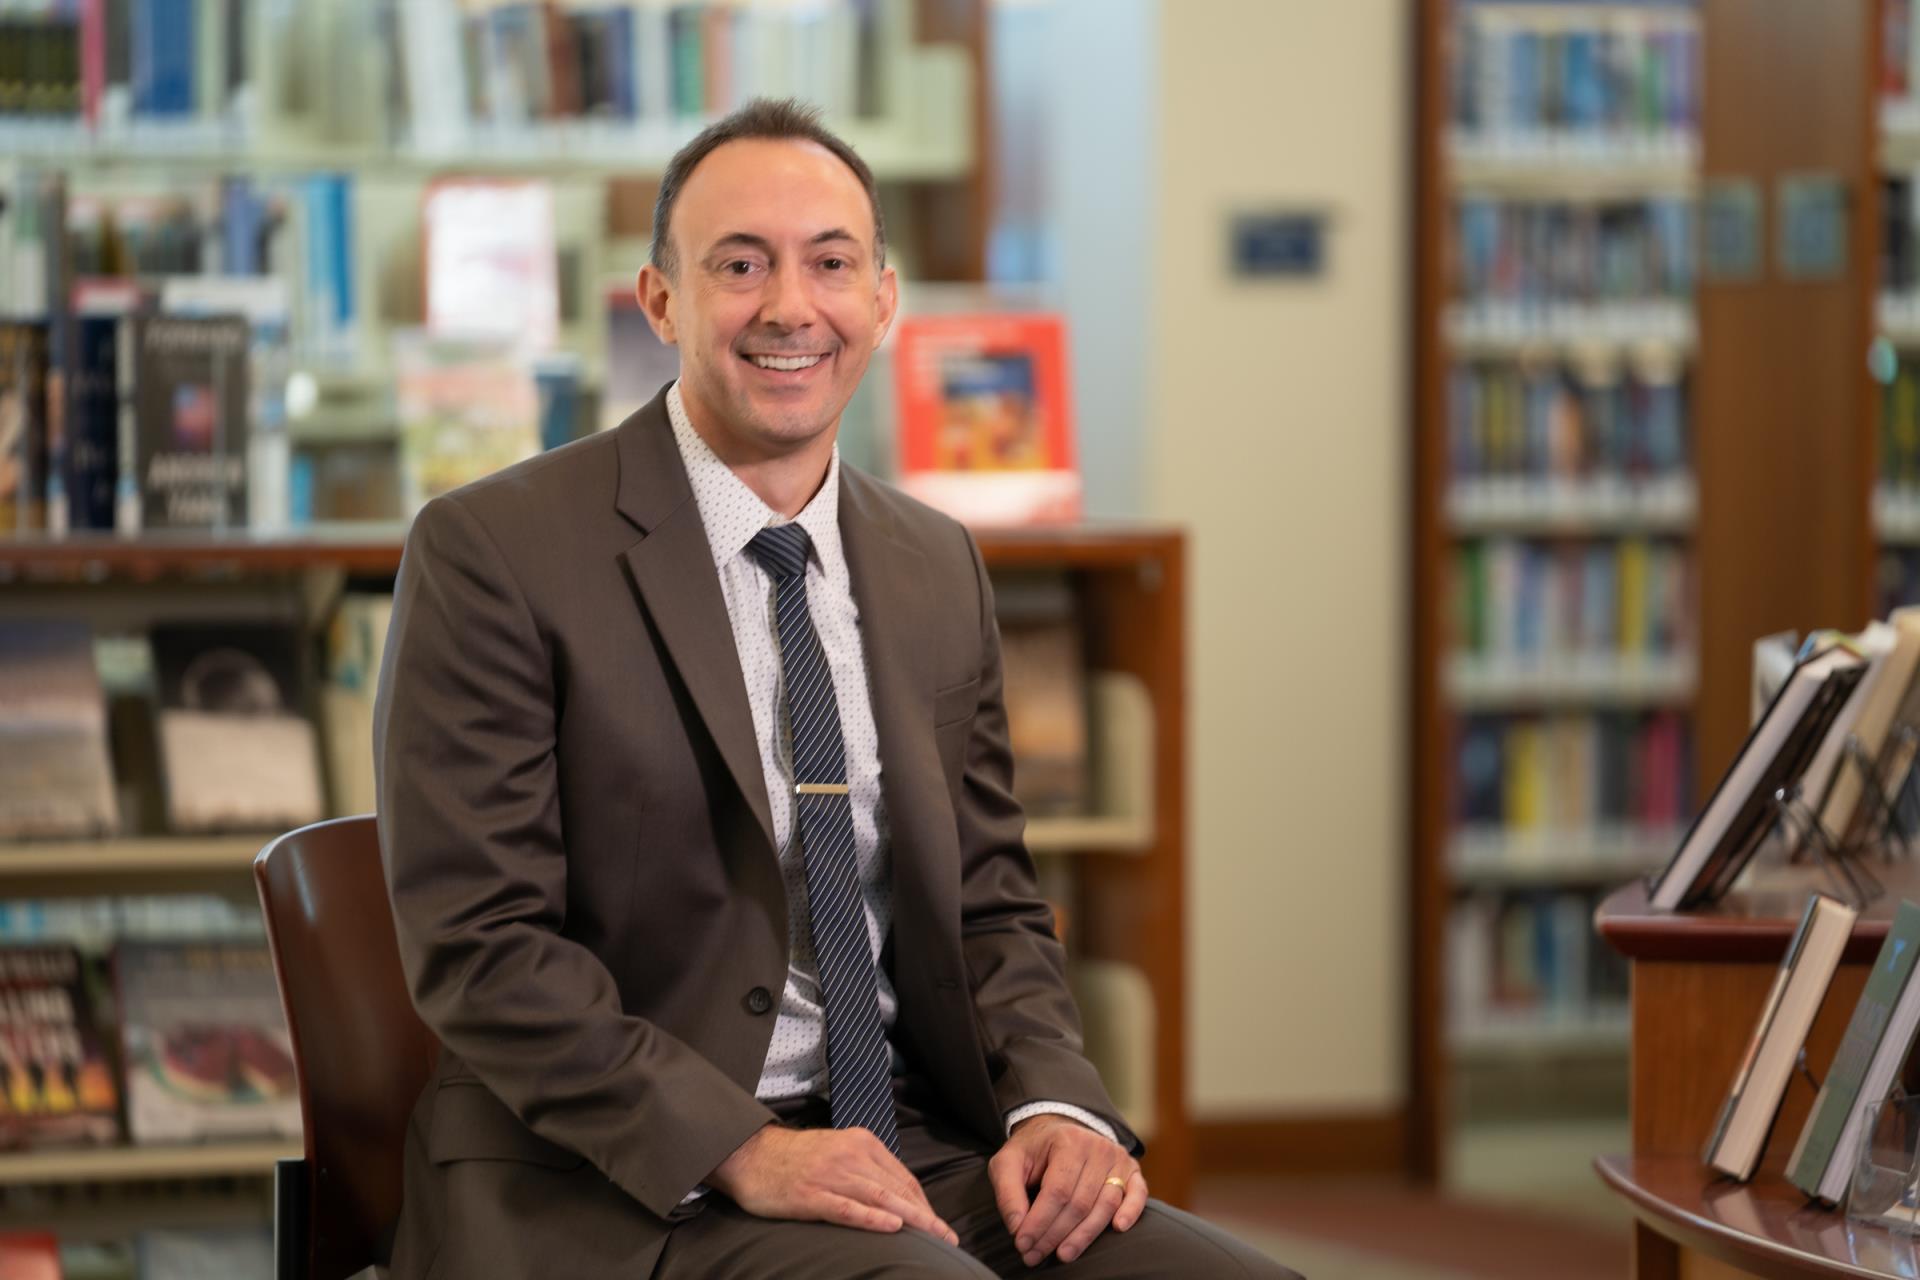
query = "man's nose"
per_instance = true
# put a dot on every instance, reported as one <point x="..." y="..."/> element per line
<point x="787" y="303"/>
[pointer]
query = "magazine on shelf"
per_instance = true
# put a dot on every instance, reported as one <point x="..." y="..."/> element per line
<point x="236" y="752"/>
<point x="491" y="262"/>
<point x="466" y="410"/>
<point x="207" y="1055"/>
<point x="56" y="776"/>
<point x="56" y="1085"/>
<point x="191" y="395"/>
<point x="985" y="419"/>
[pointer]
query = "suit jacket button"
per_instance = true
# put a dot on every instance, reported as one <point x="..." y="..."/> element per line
<point x="758" y="1001"/>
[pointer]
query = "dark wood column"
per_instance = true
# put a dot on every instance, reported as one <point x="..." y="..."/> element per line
<point x="1784" y="442"/>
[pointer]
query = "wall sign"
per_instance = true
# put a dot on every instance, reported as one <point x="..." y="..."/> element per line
<point x="1811" y="213"/>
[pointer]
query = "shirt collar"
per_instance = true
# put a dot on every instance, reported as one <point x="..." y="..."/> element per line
<point x="732" y="513"/>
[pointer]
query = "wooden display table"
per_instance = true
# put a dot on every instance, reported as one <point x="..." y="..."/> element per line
<point x="1765" y="1228"/>
<point x="1699" y="981"/>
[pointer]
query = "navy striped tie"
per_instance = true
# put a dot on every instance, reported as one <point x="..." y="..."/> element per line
<point x="859" y="1067"/>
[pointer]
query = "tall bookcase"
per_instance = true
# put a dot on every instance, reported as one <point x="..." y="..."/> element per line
<point x="1683" y="195"/>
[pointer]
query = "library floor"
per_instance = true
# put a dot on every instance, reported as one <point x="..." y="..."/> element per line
<point x="1523" y="1202"/>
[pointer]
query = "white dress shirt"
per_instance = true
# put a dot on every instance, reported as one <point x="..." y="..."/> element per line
<point x="732" y="513"/>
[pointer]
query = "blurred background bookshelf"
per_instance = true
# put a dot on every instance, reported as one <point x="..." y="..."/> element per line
<point x="1560" y="498"/>
<point x="1662" y="407"/>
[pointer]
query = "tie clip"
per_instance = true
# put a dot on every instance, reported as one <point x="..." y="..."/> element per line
<point x="820" y="788"/>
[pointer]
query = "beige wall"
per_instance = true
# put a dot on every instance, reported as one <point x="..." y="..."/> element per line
<point x="1277" y="434"/>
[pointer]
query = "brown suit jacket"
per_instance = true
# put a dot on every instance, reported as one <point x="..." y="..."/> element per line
<point x="578" y="845"/>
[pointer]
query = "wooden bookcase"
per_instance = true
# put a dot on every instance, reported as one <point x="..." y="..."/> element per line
<point x="1781" y="415"/>
<point x="1118" y="873"/>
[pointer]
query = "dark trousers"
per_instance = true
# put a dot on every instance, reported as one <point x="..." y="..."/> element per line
<point x="724" y="1242"/>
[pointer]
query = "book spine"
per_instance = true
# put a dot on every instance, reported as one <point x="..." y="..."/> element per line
<point x="1892" y="969"/>
<point x="93" y="435"/>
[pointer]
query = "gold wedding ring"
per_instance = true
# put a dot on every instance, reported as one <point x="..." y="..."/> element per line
<point x="1117" y="1181"/>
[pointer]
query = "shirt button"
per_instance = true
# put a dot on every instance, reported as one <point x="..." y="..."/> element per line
<point x="758" y="1001"/>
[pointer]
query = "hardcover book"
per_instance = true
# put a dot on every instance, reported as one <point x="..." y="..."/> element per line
<point x="1878" y="1038"/>
<point x="55" y="775"/>
<point x="56" y="1086"/>
<point x="205" y="1042"/>
<point x="466" y="410"/>
<point x="1740" y="1134"/>
<point x="237" y="753"/>
<point x="986" y="424"/>
<point x="191" y="395"/>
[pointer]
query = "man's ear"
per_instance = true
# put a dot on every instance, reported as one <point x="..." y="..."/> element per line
<point x="889" y="299"/>
<point x="655" y="293"/>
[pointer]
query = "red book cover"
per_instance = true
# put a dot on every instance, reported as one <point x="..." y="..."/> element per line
<point x="985" y="419"/>
<point x="93" y="59"/>
<point x="29" y="1255"/>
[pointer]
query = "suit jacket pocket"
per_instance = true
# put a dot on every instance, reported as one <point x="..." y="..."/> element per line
<point x="951" y="706"/>
<point x="469" y="1123"/>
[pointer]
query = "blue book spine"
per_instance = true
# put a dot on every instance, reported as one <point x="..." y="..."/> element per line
<point x="618" y="32"/>
<point x="339" y="209"/>
<point x="241" y="224"/>
<point x="164" y="46"/>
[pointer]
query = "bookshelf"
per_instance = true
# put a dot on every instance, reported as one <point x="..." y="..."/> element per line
<point x="1116" y="872"/>
<point x="1556" y="513"/>
<point x="1770" y="502"/>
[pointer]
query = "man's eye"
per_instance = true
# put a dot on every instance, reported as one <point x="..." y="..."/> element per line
<point x="738" y="267"/>
<point x="834" y="264"/>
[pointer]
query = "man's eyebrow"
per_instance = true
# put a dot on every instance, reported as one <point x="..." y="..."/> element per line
<point x="747" y="240"/>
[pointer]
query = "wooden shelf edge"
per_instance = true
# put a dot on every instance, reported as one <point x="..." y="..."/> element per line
<point x="1677" y="1198"/>
<point x="107" y="858"/>
<point x="128" y="1164"/>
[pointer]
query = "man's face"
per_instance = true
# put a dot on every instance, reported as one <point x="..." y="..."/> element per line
<point x="776" y="302"/>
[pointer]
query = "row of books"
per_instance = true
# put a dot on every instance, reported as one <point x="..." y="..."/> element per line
<point x="1530" y="774"/>
<point x="1525" y="600"/>
<point x="1836" y="730"/>
<point x="432" y="71"/>
<point x="1546" y="422"/>
<point x="1865" y="1069"/>
<point x="191" y="728"/>
<point x="1544" y="253"/>
<point x="1606" y="73"/>
<point x="196" y="1048"/>
<point x="232" y="1253"/>
<point x="1529" y="959"/>
<point x="119" y="60"/>
<point x="298" y="228"/>
<point x="471" y="68"/>
<point x="197" y="728"/>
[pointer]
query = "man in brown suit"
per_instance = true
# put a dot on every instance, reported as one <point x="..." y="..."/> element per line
<point x="696" y="812"/>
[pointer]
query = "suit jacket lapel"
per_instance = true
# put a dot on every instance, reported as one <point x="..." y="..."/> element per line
<point x="672" y="569"/>
<point x="890" y="584"/>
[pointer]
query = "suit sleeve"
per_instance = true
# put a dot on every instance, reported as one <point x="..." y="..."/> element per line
<point x="1016" y="967"/>
<point x="475" y="859"/>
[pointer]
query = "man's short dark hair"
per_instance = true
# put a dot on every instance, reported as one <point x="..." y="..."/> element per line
<point x="778" y="120"/>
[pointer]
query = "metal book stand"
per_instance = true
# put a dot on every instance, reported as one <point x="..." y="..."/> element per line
<point x="1887" y="826"/>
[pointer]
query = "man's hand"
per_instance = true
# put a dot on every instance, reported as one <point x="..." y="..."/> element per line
<point x="1072" y="1165"/>
<point x="846" y="1176"/>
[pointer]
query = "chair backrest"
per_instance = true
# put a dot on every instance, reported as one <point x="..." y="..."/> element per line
<point x="362" y="1053"/>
